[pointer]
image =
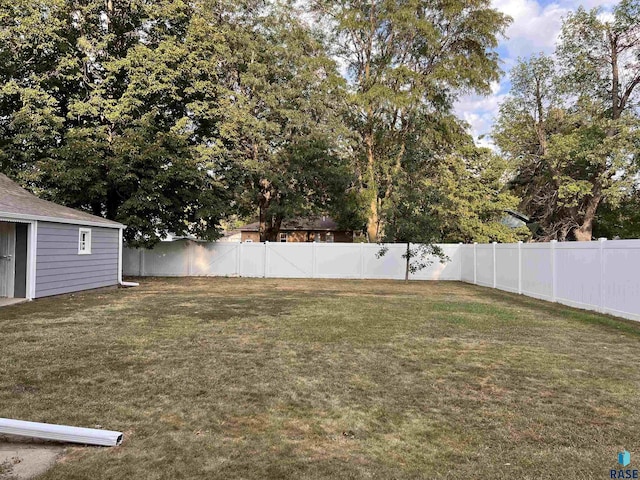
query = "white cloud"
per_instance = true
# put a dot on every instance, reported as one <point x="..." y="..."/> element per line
<point x="589" y="4"/>
<point x="480" y="113"/>
<point x="535" y="28"/>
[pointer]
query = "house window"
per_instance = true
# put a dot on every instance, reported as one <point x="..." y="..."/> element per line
<point x="329" y="237"/>
<point x="283" y="237"/>
<point x="84" y="242"/>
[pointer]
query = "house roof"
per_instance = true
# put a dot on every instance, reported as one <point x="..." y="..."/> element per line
<point x="16" y="203"/>
<point x="320" y="223"/>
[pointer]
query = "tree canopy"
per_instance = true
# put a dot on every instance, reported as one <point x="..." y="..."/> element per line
<point x="173" y="116"/>
<point x="406" y="62"/>
<point x="570" y="127"/>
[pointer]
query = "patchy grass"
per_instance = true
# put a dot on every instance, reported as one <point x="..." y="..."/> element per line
<point x="256" y="379"/>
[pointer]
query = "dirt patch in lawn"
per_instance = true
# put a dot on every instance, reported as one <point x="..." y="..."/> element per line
<point x="24" y="459"/>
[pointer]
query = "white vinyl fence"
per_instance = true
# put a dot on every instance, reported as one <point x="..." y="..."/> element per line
<point x="284" y="260"/>
<point x="603" y="276"/>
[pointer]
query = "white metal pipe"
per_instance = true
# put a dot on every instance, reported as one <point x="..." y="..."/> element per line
<point x="62" y="433"/>
<point x="129" y="284"/>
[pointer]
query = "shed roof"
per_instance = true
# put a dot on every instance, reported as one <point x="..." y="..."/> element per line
<point x="17" y="203"/>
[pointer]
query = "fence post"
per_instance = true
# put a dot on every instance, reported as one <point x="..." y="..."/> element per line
<point x="475" y="263"/>
<point x="361" y="259"/>
<point x="553" y="270"/>
<point x="266" y="258"/>
<point x="602" y="271"/>
<point x="239" y="260"/>
<point x="189" y="258"/>
<point x="142" y="273"/>
<point x="494" y="265"/>
<point x="460" y="248"/>
<point x="313" y="259"/>
<point x="520" y="267"/>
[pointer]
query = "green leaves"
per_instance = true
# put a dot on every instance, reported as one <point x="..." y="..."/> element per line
<point x="406" y="61"/>
<point x="93" y="110"/>
<point x="172" y="115"/>
<point x="570" y="130"/>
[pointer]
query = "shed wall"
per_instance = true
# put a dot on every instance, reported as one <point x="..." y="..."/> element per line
<point x="59" y="267"/>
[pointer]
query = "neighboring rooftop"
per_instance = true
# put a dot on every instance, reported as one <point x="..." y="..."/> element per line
<point x="317" y="224"/>
<point x="16" y="202"/>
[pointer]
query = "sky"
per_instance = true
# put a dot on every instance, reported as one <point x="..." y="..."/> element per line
<point x="535" y="28"/>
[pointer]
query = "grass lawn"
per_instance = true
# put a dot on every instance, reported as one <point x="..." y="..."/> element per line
<point x="256" y="379"/>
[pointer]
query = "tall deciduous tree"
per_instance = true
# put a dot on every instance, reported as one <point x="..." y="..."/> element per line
<point x="406" y="60"/>
<point x="95" y="112"/>
<point x="280" y="119"/>
<point x="601" y="59"/>
<point x="451" y="191"/>
<point x="569" y="129"/>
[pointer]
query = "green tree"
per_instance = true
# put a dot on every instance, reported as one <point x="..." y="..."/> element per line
<point x="621" y="220"/>
<point x="471" y="198"/>
<point x="449" y="191"/>
<point x="570" y="132"/>
<point x="456" y="195"/>
<point x="406" y="61"/>
<point x="94" y="111"/>
<point x="280" y="120"/>
<point x="600" y="61"/>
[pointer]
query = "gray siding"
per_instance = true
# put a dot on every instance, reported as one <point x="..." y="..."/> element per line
<point x="59" y="268"/>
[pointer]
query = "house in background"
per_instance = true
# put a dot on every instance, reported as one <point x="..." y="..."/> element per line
<point x="312" y="229"/>
<point x="47" y="249"/>
<point x="231" y="236"/>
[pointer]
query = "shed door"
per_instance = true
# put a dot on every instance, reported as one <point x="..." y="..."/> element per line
<point x="7" y="258"/>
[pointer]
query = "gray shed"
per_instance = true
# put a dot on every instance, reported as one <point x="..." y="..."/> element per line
<point x="47" y="249"/>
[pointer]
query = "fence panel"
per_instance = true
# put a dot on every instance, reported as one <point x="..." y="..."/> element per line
<point x="537" y="270"/>
<point x="467" y="263"/>
<point x="577" y="274"/>
<point x="339" y="260"/>
<point x="166" y="260"/>
<point x="508" y="266"/>
<point x="131" y="262"/>
<point x="215" y="259"/>
<point x="484" y="265"/>
<point x="289" y="260"/>
<point x="389" y="266"/>
<point x="437" y="270"/>
<point x="252" y="261"/>
<point x="620" y="278"/>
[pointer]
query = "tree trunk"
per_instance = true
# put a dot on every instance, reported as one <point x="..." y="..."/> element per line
<point x="584" y="232"/>
<point x="273" y="229"/>
<point x="540" y="126"/>
<point x="615" y="78"/>
<point x="269" y="225"/>
<point x="108" y="5"/>
<point x="263" y="209"/>
<point x="373" y="220"/>
<point x="408" y="264"/>
<point x="112" y="204"/>
<point x="96" y="208"/>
